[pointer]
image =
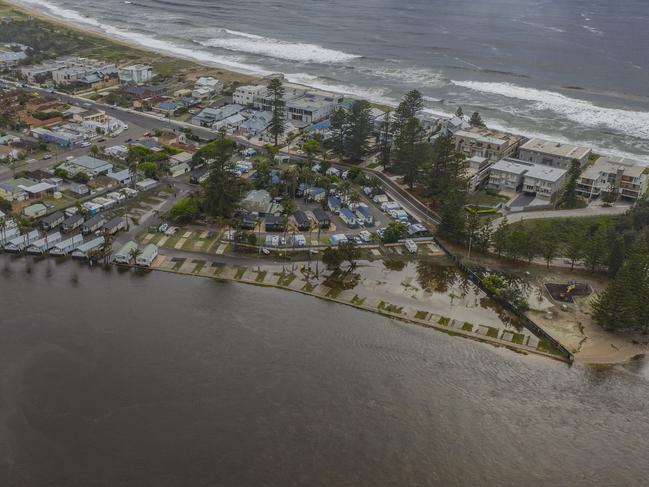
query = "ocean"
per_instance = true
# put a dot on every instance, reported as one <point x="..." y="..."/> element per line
<point x="569" y="70"/>
<point x="102" y="383"/>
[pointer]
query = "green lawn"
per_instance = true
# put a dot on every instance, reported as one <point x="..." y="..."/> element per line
<point x="482" y="198"/>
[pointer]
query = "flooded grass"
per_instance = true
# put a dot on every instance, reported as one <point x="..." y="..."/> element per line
<point x="421" y="315"/>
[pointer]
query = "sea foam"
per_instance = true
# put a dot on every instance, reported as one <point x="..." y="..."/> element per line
<point x="582" y="112"/>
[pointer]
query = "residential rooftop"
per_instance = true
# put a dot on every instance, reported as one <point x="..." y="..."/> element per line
<point x="558" y="149"/>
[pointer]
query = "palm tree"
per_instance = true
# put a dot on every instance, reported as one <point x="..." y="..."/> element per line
<point x="3" y="227"/>
<point x="24" y="226"/>
<point x="134" y="253"/>
<point x="106" y="248"/>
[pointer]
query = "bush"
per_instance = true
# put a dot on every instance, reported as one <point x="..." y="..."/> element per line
<point x="184" y="210"/>
<point x="394" y="232"/>
<point x="5" y="206"/>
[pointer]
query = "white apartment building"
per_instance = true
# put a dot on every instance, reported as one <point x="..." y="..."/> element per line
<point x="521" y="176"/>
<point x="555" y="154"/>
<point x="136" y="73"/>
<point x="302" y="107"/>
<point x="245" y="95"/>
<point x="487" y="143"/>
<point x="607" y="174"/>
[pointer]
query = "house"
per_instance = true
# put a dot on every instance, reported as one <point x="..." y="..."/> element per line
<point x="455" y="124"/>
<point x="146" y="91"/>
<point x="52" y="221"/>
<point x="87" y="165"/>
<point x="322" y="218"/>
<point x="181" y="157"/>
<point x="257" y="201"/>
<point x="555" y="154"/>
<point x="72" y="222"/>
<point x="80" y="189"/>
<point x="148" y="255"/>
<point x="11" y="189"/>
<point x="146" y="184"/>
<point x="199" y="175"/>
<point x="338" y="239"/>
<point x="122" y="177"/>
<point x="274" y="223"/>
<point x="363" y="215"/>
<point x="84" y="250"/>
<point x="348" y="218"/>
<point x="136" y="73"/>
<point x="8" y="234"/>
<point x="486" y="143"/>
<point x="124" y="254"/>
<point x="609" y="174"/>
<point x="44" y="244"/>
<point x="302" y="221"/>
<point x="38" y="190"/>
<point x="59" y="136"/>
<point x="245" y="95"/>
<point x="8" y="153"/>
<point x="476" y="172"/>
<point x="21" y="242"/>
<point x="515" y="175"/>
<point x="208" y="83"/>
<point x="209" y="116"/>
<point x="34" y="211"/>
<point x="334" y="205"/>
<point x="114" y="225"/>
<point x="179" y="169"/>
<point x="118" y="151"/>
<point x="92" y="225"/>
<point x="66" y="246"/>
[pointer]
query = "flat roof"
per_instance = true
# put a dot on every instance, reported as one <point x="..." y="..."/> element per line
<point x="88" y="162"/>
<point x="529" y="169"/>
<point x="556" y="148"/>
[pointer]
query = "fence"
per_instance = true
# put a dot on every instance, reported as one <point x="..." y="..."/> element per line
<point x="525" y="321"/>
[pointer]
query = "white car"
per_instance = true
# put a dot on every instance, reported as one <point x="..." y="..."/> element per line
<point x="411" y="246"/>
<point x="163" y="228"/>
<point x="365" y="236"/>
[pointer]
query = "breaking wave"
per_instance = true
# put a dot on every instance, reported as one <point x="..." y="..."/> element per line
<point x="265" y="46"/>
<point x="585" y="113"/>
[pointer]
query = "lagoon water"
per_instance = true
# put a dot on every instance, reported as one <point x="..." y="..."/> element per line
<point x="113" y="378"/>
<point x="567" y="69"/>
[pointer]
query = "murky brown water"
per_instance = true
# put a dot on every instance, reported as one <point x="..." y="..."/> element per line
<point x="110" y="379"/>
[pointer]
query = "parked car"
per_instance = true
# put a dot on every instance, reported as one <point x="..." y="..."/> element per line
<point x="365" y="236"/>
<point x="411" y="246"/>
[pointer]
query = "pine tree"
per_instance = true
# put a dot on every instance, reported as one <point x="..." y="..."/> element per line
<point x="625" y="302"/>
<point x="476" y="120"/>
<point x="359" y="129"/>
<point x="385" y="145"/>
<point x="569" y="197"/>
<point x="459" y="112"/>
<point x="501" y="237"/>
<point x="339" y="126"/>
<point x="223" y="188"/>
<point x="278" y="120"/>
